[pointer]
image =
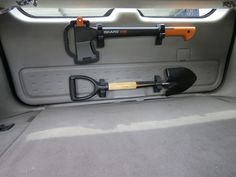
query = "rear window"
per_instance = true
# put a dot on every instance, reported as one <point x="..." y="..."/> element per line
<point x="66" y="12"/>
<point x="95" y="12"/>
<point x="175" y="12"/>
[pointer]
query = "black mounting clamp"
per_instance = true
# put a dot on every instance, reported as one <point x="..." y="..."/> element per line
<point x="160" y="35"/>
<point x="100" y="37"/>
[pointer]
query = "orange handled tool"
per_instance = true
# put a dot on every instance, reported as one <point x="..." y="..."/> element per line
<point x="85" y="35"/>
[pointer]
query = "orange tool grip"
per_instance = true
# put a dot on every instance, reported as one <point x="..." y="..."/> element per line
<point x="80" y="22"/>
<point x="186" y="32"/>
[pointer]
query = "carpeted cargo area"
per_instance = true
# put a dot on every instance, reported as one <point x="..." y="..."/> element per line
<point x="21" y="122"/>
<point x="176" y="137"/>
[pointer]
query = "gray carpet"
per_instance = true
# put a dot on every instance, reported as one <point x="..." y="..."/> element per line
<point x="21" y="122"/>
<point x="178" y="137"/>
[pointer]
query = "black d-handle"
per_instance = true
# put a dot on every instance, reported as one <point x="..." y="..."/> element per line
<point x="73" y="88"/>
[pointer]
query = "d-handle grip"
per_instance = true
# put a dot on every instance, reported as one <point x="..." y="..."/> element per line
<point x="99" y="88"/>
<point x="73" y="88"/>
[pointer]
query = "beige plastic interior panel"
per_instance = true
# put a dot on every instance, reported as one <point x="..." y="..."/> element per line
<point x="40" y="66"/>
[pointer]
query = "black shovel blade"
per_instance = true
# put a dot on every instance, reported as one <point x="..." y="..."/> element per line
<point x="182" y="78"/>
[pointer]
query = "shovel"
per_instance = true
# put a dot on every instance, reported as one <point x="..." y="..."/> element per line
<point x="176" y="81"/>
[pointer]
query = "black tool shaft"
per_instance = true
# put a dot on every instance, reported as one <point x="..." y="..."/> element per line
<point x="142" y="84"/>
<point x="126" y="32"/>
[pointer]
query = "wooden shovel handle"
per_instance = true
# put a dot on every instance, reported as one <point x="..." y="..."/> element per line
<point x="122" y="85"/>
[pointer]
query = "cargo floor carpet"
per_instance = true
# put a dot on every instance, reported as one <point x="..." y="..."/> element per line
<point x="176" y="137"/>
<point x="20" y="124"/>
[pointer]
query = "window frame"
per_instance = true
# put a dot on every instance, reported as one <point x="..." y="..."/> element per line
<point x="203" y="16"/>
<point x="109" y="12"/>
